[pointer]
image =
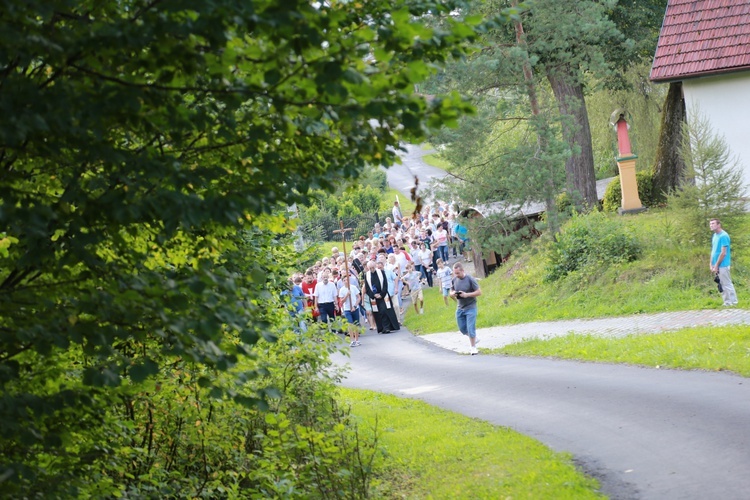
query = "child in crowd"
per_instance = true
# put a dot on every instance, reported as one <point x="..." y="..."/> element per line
<point x="444" y="274"/>
<point x="413" y="279"/>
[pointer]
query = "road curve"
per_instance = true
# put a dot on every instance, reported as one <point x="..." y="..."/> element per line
<point x="401" y="176"/>
<point x="644" y="433"/>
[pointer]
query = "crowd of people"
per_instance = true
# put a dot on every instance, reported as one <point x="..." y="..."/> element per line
<point x="393" y="261"/>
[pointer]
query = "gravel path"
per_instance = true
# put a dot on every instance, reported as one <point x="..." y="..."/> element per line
<point x="499" y="336"/>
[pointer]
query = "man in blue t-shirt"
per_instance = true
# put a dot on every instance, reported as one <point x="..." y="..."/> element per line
<point x="721" y="259"/>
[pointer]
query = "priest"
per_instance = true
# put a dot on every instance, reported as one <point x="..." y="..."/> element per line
<point x="376" y="288"/>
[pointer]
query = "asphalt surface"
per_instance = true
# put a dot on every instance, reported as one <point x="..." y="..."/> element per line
<point x="644" y="433"/>
<point x="401" y="176"/>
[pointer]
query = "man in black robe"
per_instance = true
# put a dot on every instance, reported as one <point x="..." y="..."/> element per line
<point x="376" y="287"/>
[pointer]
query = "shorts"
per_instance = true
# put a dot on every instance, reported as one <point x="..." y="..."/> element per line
<point x="352" y="316"/>
<point x="417" y="295"/>
<point x="446" y="291"/>
<point x="467" y="321"/>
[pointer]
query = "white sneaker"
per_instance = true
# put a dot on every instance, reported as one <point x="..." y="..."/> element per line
<point x="353" y="344"/>
<point x="473" y="351"/>
<point x="421" y="311"/>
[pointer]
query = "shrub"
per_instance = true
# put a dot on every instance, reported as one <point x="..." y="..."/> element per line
<point x="713" y="186"/>
<point x="590" y="241"/>
<point x="612" y="199"/>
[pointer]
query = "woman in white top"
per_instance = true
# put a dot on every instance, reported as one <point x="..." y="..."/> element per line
<point x="441" y="238"/>
<point x="425" y="255"/>
<point x="392" y="265"/>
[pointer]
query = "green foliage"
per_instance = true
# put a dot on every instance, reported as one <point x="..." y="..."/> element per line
<point x="147" y="155"/>
<point x="714" y="187"/>
<point x="434" y="453"/>
<point x="374" y="177"/>
<point x="642" y="99"/>
<point x="172" y="436"/>
<point x="649" y="196"/>
<point x="590" y="240"/>
<point x="672" y="275"/>
<point x="584" y="43"/>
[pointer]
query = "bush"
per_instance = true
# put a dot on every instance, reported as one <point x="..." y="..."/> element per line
<point x="713" y="186"/>
<point x="590" y="241"/>
<point x="612" y="199"/>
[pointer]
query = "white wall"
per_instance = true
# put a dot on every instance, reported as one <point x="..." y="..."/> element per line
<point x="725" y="101"/>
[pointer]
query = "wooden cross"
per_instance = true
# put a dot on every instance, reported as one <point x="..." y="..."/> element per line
<point x="343" y="232"/>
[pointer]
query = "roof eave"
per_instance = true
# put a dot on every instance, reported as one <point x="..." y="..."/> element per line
<point x="688" y="76"/>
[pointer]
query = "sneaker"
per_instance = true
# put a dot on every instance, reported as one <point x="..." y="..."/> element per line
<point x="473" y="351"/>
<point x="358" y="343"/>
<point x="353" y="344"/>
<point x="421" y="311"/>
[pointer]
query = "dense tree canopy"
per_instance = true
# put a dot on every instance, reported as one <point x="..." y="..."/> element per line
<point x="574" y="49"/>
<point x="137" y="138"/>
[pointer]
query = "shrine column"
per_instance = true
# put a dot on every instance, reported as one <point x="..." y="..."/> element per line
<point x="631" y="203"/>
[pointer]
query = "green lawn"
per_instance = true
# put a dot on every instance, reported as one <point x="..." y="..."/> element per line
<point x="436" y="160"/>
<point x="428" y="452"/>
<point x="669" y="276"/>
<point x="706" y="348"/>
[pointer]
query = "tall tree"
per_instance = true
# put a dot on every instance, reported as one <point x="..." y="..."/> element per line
<point x="669" y="166"/>
<point x="138" y="137"/>
<point x="567" y="42"/>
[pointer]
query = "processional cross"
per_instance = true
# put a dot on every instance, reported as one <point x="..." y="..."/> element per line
<point x="343" y="232"/>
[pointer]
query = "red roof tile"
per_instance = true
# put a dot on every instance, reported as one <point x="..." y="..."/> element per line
<point x="702" y="37"/>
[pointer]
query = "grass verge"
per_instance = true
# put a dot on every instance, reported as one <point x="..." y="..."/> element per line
<point x="433" y="453"/>
<point x="435" y="160"/>
<point x="705" y="348"/>
<point x="671" y="275"/>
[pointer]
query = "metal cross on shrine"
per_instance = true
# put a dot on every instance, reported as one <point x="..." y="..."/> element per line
<point x="343" y="232"/>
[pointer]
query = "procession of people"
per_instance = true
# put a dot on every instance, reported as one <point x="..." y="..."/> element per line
<point x="394" y="259"/>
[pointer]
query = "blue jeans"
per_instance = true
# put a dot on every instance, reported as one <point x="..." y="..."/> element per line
<point x="443" y="251"/>
<point x="467" y="321"/>
<point x="352" y="316"/>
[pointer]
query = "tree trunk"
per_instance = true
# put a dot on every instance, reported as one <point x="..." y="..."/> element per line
<point x="528" y="75"/>
<point x="579" y="169"/>
<point x="669" y="167"/>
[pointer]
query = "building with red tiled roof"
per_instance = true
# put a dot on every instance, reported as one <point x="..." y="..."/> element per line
<point x="705" y="44"/>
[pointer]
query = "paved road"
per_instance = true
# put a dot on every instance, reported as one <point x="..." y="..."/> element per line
<point x="644" y="433"/>
<point x="401" y="177"/>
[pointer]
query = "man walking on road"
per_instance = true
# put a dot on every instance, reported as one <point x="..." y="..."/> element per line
<point x="465" y="291"/>
<point x="721" y="259"/>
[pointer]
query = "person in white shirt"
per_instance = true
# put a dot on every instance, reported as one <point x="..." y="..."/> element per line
<point x="444" y="275"/>
<point x="425" y="255"/>
<point x="396" y="212"/>
<point x="413" y="279"/>
<point x="350" y="298"/>
<point x="392" y="265"/>
<point x="401" y="259"/>
<point x="325" y="298"/>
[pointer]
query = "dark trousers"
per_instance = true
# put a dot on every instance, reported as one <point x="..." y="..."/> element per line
<point x="426" y="273"/>
<point x="327" y="311"/>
